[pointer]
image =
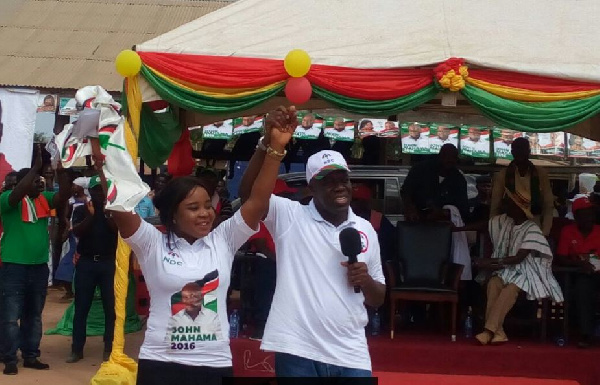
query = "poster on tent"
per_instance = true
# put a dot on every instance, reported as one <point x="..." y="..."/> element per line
<point x="580" y="147"/>
<point x="309" y="126"/>
<point x="546" y="144"/>
<point x="503" y="138"/>
<point x="339" y="129"/>
<point x="475" y="141"/>
<point x="45" y="118"/>
<point x="247" y="124"/>
<point x="415" y="138"/>
<point x="440" y="134"/>
<point x="381" y="127"/>
<point x="218" y="130"/>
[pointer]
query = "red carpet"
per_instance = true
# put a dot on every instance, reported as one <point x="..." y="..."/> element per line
<point x="435" y="354"/>
<point x="386" y="378"/>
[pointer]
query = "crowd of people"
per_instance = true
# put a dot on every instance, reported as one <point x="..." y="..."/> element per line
<point x="307" y="310"/>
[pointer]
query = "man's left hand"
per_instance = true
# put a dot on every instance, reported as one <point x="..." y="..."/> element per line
<point x="358" y="274"/>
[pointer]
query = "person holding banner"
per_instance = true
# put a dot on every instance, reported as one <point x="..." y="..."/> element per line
<point x="176" y="350"/>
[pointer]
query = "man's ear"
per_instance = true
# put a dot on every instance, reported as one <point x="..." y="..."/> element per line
<point x="311" y="185"/>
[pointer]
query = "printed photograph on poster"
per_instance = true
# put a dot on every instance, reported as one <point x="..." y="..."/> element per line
<point x="247" y="124"/>
<point x="381" y="127"/>
<point x="339" y="129"/>
<point x="47" y="103"/>
<point x="551" y="144"/>
<point x="580" y="147"/>
<point x="194" y="315"/>
<point x="415" y="138"/>
<point x="475" y="141"/>
<point x="67" y="106"/>
<point x="218" y="130"/>
<point x="309" y="126"/>
<point x="441" y="134"/>
<point x="503" y="139"/>
<point x="45" y="118"/>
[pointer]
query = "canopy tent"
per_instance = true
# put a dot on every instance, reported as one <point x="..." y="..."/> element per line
<point x="530" y="66"/>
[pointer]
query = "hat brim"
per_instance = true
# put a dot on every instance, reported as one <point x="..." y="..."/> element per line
<point x="329" y="169"/>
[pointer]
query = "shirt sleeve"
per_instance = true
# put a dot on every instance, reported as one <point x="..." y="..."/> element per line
<point x="234" y="232"/>
<point x="49" y="195"/>
<point x="281" y="215"/>
<point x="563" y="243"/>
<point x="145" y="241"/>
<point x="4" y="205"/>
<point x="374" y="262"/>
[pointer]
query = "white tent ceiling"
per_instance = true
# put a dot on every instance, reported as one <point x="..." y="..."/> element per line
<point x="552" y="37"/>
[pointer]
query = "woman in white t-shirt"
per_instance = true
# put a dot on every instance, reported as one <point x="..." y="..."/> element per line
<point x="187" y="270"/>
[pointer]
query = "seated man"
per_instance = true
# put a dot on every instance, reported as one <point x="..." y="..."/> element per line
<point x="522" y="260"/>
<point x="579" y="242"/>
<point x="436" y="190"/>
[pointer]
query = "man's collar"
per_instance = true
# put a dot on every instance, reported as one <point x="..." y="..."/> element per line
<point x="314" y="213"/>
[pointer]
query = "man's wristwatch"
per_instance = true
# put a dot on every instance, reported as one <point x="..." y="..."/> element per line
<point x="260" y="145"/>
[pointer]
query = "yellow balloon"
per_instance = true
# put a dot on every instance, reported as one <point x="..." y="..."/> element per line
<point x="297" y="63"/>
<point x="128" y="63"/>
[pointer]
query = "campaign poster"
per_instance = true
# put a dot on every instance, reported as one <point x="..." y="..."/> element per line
<point x="390" y="130"/>
<point x="580" y="147"/>
<point x="67" y="106"/>
<point x="339" y="129"/>
<point x="309" y="126"/>
<point x="247" y="124"/>
<point x="441" y="134"/>
<point x="475" y="141"/>
<point x="381" y="127"/>
<point x="218" y="130"/>
<point x="546" y="144"/>
<point x="45" y="118"/>
<point x="194" y="315"/>
<point x="503" y="139"/>
<point x="415" y="138"/>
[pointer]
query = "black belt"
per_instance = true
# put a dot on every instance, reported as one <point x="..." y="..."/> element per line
<point x="98" y="257"/>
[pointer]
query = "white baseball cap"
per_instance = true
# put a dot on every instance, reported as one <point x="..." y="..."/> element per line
<point x="324" y="162"/>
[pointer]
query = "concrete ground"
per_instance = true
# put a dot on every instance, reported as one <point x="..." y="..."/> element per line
<point x="55" y="350"/>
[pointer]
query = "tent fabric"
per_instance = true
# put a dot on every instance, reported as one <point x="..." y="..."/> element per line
<point x="560" y="41"/>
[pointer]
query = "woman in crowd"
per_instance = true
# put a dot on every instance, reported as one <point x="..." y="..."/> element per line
<point x="187" y="270"/>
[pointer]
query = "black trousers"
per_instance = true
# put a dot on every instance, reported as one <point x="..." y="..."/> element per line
<point x="152" y="372"/>
<point x="88" y="275"/>
<point x="586" y="291"/>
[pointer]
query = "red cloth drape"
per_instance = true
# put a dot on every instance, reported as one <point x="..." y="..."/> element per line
<point x="370" y="84"/>
<point x="181" y="162"/>
<point x="531" y="82"/>
<point x="217" y="71"/>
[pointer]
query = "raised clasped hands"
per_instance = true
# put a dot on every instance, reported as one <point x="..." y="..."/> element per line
<point x="280" y="126"/>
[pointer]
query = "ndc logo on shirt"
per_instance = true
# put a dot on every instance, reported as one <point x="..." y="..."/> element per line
<point x="364" y="242"/>
<point x="173" y="259"/>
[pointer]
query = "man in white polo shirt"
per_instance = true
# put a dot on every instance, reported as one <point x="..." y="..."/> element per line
<point x="316" y="323"/>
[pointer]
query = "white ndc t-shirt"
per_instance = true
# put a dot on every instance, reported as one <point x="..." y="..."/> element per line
<point x="171" y="335"/>
<point x="315" y="313"/>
